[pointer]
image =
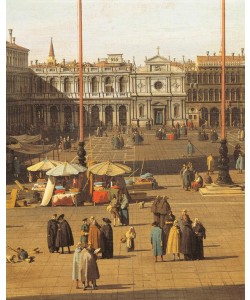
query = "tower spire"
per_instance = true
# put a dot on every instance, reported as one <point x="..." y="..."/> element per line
<point x="51" y="58"/>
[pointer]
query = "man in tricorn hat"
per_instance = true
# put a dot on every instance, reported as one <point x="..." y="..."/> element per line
<point x="84" y="231"/>
<point x="51" y="234"/>
<point x="107" y="239"/>
<point x="64" y="236"/>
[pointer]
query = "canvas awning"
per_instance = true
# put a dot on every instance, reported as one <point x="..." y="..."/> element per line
<point x="31" y="148"/>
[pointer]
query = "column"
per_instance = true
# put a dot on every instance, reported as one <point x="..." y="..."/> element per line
<point x="128" y="114"/>
<point x="208" y="118"/>
<point x="115" y="115"/>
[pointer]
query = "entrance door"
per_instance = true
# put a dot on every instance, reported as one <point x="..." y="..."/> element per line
<point x="158" y="116"/>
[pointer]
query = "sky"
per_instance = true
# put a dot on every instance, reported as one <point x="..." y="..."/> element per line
<point x="133" y="27"/>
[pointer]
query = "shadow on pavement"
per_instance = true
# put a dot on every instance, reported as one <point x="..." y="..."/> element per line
<point x="204" y="293"/>
<point x="220" y="257"/>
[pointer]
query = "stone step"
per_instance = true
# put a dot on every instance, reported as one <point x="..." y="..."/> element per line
<point x="216" y="190"/>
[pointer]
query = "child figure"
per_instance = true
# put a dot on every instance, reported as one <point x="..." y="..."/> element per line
<point x="174" y="240"/>
<point x="76" y="261"/>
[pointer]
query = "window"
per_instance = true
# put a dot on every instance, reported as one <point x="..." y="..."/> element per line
<point x="122" y="84"/>
<point x="94" y="85"/>
<point x="158" y="85"/>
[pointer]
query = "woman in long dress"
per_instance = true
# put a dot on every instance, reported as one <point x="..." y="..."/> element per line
<point x="174" y="240"/>
<point x="76" y="261"/>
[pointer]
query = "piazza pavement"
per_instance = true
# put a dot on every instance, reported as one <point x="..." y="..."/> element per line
<point x="135" y="275"/>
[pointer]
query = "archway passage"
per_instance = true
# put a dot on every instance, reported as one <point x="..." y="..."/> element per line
<point x="67" y="117"/>
<point x="214" y="116"/>
<point x="158" y="116"/>
<point x="203" y="116"/>
<point x="122" y="115"/>
<point x="95" y="116"/>
<point x="108" y="116"/>
<point x="236" y="116"/>
<point x="53" y="116"/>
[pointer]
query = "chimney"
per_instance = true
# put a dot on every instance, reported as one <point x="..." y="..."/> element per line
<point x="242" y="51"/>
<point x="64" y="62"/>
<point x="10" y="33"/>
<point x="183" y="58"/>
<point x="207" y="53"/>
<point x="31" y="62"/>
<point x="214" y="53"/>
<point x="14" y="40"/>
<point x="233" y="55"/>
<point x="174" y="58"/>
<point x="36" y="61"/>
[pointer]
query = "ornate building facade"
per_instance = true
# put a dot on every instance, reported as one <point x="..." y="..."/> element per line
<point x="118" y="92"/>
<point x="203" y="87"/>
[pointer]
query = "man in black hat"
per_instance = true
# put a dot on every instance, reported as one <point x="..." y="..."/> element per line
<point x="84" y="231"/>
<point x="51" y="234"/>
<point x="64" y="237"/>
<point x="107" y="232"/>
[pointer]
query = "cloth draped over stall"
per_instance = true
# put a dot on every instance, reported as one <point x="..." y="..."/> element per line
<point x="31" y="148"/>
<point x="25" y="138"/>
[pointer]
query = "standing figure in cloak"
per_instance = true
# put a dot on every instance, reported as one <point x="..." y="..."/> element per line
<point x="107" y="239"/>
<point x="130" y="239"/>
<point x="124" y="209"/>
<point x="186" y="179"/>
<point x="76" y="262"/>
<point x="64" y="237"/>
<point x="166" y="229"/>
<point x="163" y="209"/>
<point x="174" y="240"/>
<point x="190" y="148"/>
<point x="95" y="237"/>
<point x="156" y="241"/>
<point x="184" y="216"/>
<point x="115" y="210"/>
<point x="200" y="234"/>
<point x="84" y="231"/>
<point x="187" y="240"/>
<point x="239" y="163"/>
<point x="154" y="209"/>
<point x="52" y="228"/>
<point x="88" y="268"/>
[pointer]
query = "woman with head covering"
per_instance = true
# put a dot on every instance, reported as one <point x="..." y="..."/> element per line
<point x="124" y="209"/>
<point x="155" y="209"/>
<point x="64" y="237"/>
<point x="107" y="231"/>
<point x="130" y="239"/>
<point x="200" y="234"/>
<point x="174" y="240"/>
<point x="187" y="239"/>
<point x="166" y="229"/>
<point x="156" y="240"/>
<point x="76" y="261"/>
<point x="95" y="236"/>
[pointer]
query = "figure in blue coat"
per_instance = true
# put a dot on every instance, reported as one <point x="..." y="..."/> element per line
<point x="156" y="240"/>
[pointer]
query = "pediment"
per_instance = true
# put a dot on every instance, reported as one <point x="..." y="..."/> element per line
<point x="158" y="59"/>
<point x="158" y="103"/>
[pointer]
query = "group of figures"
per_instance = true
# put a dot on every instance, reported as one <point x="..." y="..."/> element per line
<point x="117" y="142"/>
<point x="174" y="236"/>
<point x="64" y="143"/>
<point x="178" y="131"/>
<point x="190" y="178"/>
<point x="137" y="136"/>
<point x="118" y="208"/>
<point x="100" y="131"/>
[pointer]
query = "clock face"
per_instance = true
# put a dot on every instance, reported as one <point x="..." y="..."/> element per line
<point x="158" y="85"/>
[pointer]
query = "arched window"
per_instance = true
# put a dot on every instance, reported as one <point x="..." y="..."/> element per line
<point x="194" y="95"/>
<point x="211" y="95"/>
<point x="188" y="78"/>
<point x="53" y="116"/>
<point x="122" y="85"/>
<point x="233" y="78"/>
<point x="200" y="95"/>
<point x="189" y="95"/>
<point x="141" y="111"/>
<point x="53" y="85"/>
<point x="205" y="78"/>
<point x="108" y="116"/>
<point x="217" y="78"/>
<point x="194" y="78"/>
<point x="39" y="85"/>
<point x="233" y="95"/>
<point x="94" y="83"/>
<point x="176" y="110"/>
<point x="214" y="116"/>
<point x="211" y="78"/>
<point x="67" y="85"/>
<point x="227" y="94"/>
<point x="217" y="95"/>
<point x="205" y="95"/>
<point x="108" y="85"/>
<point x="122" y="115"/>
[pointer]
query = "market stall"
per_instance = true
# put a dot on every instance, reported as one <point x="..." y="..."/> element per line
<point x="106" y="180"/>
<point x="64" y="191"/>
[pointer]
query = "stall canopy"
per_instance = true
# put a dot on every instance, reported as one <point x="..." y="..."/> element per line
<point x="109" y="169"/>
<point x="25" y="138"/>
<point x="66" y="169"/>
<point x="31" y="148"/>
<point x="44" y="165"/>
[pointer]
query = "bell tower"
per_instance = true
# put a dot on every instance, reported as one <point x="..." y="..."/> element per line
<point x="51" y="58"/>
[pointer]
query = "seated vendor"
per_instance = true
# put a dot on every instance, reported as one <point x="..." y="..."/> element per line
<point x="197" y="183"/>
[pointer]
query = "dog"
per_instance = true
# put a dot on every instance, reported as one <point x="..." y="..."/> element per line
<point x="141" y="204"/>
<point x="10" y="258"/>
